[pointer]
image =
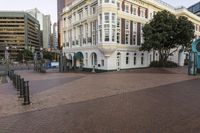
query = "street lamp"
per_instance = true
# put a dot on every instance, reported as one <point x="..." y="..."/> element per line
<point x="41" y="53"/>
<point x="6" y="54"/>
<point x="42" y="61"/>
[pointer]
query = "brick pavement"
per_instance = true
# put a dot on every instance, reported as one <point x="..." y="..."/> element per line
<point x="52" y="90"/>
<point x="172" y="108"/>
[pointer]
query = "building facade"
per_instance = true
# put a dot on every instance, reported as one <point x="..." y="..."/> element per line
<point x="45" y="26"/>
<point x="60" y="5"/>
<point x="107" y="34"/>
<point x="55" y="36"/>
<point x="18" y="30"/>
<point x="46" y="31"/>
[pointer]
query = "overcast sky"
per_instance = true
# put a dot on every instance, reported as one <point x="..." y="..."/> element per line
<point x="50" y="6"/>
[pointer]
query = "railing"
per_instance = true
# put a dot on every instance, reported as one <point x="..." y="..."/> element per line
<point x="21" y="86"/>
<point x="21" y="66"/>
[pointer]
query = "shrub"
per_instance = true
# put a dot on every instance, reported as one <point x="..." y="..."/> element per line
<point x="168" y="64"/>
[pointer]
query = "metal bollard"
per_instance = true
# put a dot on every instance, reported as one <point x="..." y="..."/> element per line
<point x="9" y="74"/>
<point x="14" y="75"/>
<point x="21" y="91"/>
<point x="19" y="86"/>
<point x="15" y="79"/>
<point x="26" y="93"/>
<point x="18" y="82"/>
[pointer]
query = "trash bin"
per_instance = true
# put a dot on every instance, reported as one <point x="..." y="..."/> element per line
<point x="192" y="66"/>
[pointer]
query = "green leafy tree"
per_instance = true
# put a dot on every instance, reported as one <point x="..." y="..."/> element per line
<point x="47" y="55"/>
<point x="25" y="55"/>
<point x="166" y="33"/>
<point x="185" y="32"/>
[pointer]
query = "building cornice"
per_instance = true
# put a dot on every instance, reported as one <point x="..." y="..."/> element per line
<point x="183" y="11"/>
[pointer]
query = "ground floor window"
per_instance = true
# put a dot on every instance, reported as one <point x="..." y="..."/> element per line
<point x="142" y="59"/>
<point x="127" y="58"/>
<point x="94" y="59"/>
<point x="102" y="62"/>
<point x="134" y="59"/>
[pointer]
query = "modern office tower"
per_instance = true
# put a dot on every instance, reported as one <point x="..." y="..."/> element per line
<point x="195" y="8"/>
<point x="45" y="24"/>
<point x="55" y="36"/>
<point x="46" y="31"/>
<point x="18" y="30"/>
<point x="107" y="34"/>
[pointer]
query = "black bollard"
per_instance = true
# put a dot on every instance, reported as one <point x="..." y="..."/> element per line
<point x="21" y="91"/>
<point x="9" y="74"/>
<point x="19" y="85"/>
<point x="15" y="80"/>
<point x="14" y="75"/>
<point x="26" y="93"/>
<point x="18" y="82"/>
<point x="17" y="76"/>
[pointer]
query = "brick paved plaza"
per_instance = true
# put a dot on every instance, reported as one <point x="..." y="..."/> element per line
<point x="137" y="101"/>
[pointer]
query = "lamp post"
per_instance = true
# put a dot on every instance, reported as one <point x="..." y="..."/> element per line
<point x="7" y="57"/>
<point x="61" y="61"/>
<point x="42" y="61"/>
<point x="6" y="54"/>
<point x="41" y="53"/>
<point x="35" y="61"/>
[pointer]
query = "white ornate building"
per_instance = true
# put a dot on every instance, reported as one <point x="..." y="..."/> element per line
<point x="107" y="34"/>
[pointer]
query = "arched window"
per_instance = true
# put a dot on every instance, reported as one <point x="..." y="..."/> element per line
<point x="86" y="59"/>
<point x="142" y="58"/>
<point x="94" y="59"/>
<point x="127" y="58"/>
<point x="134" y="59"/>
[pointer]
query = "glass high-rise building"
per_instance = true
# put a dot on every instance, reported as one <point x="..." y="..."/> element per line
<point x="195" y="8"/>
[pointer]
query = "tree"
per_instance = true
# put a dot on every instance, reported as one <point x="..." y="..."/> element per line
<point x="166" y="33"/>
<point x="25" y="55"/>
<point x="48" y="55"/>
<point x="185" y="32"/>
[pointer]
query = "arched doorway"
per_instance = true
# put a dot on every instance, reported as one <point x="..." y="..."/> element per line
<point x="69" y="61"/>
<point x="78" y="60"/>
<point x="93" y="59"/>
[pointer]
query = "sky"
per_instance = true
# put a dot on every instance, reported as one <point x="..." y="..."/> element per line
<point x="47" y="7"/>
<point x="50" y="6"/>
